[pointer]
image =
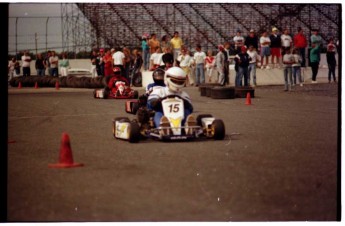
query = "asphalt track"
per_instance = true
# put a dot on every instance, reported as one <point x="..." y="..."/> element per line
<point x="277" y="163"/>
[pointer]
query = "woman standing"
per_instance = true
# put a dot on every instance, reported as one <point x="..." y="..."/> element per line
<point x="108" y="63"/>
<point x="64" y="65"/>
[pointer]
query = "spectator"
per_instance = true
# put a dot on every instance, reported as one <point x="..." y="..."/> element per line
<point x="119" y="60"/>
<point x="176" y="44"/>
<point x="265" y="42"/>
<point x="210" y="64"/>
<point x="101" y="63"/>
<point x="11" y="68"/>
<point x="315" y="38"/>
<point x="199" y="58"/>
<point x="184" y="62"/>
<point x="94" y="63"/>
<point x="288" y="60"/>
<point x="153" y="43"/>
<point x="331" y="61"/>
<point x="252" y="40"/>
<point x="314" y="60"/>
<point x="300" y="43"/>
<point x="54" y="62"/>
<point x="165" y="43"/>
<point x="137" y="63"/>
<point x="64" y="65"/>
<point x="239" y="41"/>
<point x="127" y="62"/>
<point x="39" y="65"/>
<point x="227" y="52"/>
<point x="286" y="41"/>
<point x="296" y="67"/>
<point x="252" y="64"/>
<point x="47" y="63"/>
<point x="276" y="44"/>
<point x="220" y="65"/>
<point x="26" y="59"/>
<point x="156" y="59"/>
<point x="17" y="68"/>
<point x="108" y="63"/>
<point x="242" y="59"/>
<point x="168" y="59"/>
<point x="146" y="53"/>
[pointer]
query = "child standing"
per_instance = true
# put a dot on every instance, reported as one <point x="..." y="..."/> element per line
<point x="331" y="61"/>
<point x="210" y="63"/>
<point x="296" y="67"/>
<point x="288" y="60"/>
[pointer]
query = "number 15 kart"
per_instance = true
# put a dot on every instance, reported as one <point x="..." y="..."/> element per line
<point x="171" y="127"/>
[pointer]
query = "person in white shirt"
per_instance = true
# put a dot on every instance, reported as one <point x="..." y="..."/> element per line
<point x="252" y="64"/>
<point x="54" y="63"/>
<point x="184" y="62"/>
<point x="156" y="59"/>
<point x="239" y="41"/>
<point x="119" y="60"/>
<point x="26" y="59"/>
<point x="286" y="41"/>
<point x="220" y="62"/>
<point x="265" y="43"/>
<point x="199" y="60"/>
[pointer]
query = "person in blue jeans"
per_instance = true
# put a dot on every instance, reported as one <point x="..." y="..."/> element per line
<point x="288" y="61"/>
<point x="199" y="60"/>
<point x="242" y="60"/>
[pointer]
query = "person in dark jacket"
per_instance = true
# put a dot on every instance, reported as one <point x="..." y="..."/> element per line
<point x="242" y="60"/>
<point x="331" y="61"/>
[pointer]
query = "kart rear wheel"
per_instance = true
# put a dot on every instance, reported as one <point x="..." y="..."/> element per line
<point x="218" y="129"/>
<point x="198" y="119"/>
<point x="134" y="132"/>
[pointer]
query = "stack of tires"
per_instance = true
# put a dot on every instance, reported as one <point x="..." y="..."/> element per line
<point x="215" y="91"/>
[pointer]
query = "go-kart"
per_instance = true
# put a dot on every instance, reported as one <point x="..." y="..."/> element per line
<point x="115" y="89"/>
<point x="173" y="109"/>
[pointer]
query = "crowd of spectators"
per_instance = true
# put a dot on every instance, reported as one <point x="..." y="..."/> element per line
<point x="247" y="53"/>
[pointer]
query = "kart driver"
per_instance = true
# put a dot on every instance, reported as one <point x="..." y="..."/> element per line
<point x="174" y="79"/>
<point x="158" y="81"/>
<point x="117" y="83"/>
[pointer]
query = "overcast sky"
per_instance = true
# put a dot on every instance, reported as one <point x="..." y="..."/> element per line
<point x="27" y="26"/>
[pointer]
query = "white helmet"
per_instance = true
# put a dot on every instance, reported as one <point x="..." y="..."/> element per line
<point x="175" y="78"/>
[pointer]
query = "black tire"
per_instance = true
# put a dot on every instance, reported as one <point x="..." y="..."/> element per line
<point x="203" y="91"/>
<point x="218" y="129"/>
<point x="134" y="132"/>
<point x="106" y="93"/>
<point x="208" y="91"/>
<point x="207" y="85"/>
<point x="137" y="80"/>
<point x="198" y="119"/>
<point x="223" y="93"/>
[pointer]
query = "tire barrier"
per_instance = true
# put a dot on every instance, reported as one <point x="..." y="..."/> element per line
<point x="241" y="92"/>
<point x="223" y="92"/>
<point x="65" y="81"/>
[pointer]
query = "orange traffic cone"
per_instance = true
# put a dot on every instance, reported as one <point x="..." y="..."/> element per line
<point x="36" y="85"/>
<point x="57" y="86"/>
<point x="19" y="85"/>
<point x="248" y="100"/>
<point x="65" y="158"/>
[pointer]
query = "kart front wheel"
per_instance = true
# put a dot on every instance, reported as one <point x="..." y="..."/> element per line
<point x="218" y="129"/>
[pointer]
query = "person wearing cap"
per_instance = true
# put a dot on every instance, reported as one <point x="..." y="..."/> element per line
<point x="252" y="40"/>
<point x="276" y="45"/>
<point x="238" y="40"/>
<point x="242" y="59"/>
<point x="176" y="45"/>
<point x="220" y="62"/>
<point x="300" y="43"/>
<point x="265" y="51"/>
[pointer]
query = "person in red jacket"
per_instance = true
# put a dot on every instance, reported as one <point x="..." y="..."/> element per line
<point x="300" y="43"/>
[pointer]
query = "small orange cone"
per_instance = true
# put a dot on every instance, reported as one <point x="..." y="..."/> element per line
<point x="57" y="86"/>
<point x="248" y="100"/>
<point x="19" y="85"/>
<point x="36" y="85"/>
<point x="65" y="158"/>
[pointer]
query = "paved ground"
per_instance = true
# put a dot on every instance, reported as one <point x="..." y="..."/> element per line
<point x="277" y="163"/>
